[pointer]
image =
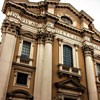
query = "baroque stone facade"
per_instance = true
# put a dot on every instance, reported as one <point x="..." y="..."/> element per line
<point x="49" y="51"/>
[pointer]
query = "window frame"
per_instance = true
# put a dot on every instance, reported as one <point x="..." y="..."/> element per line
<point x="69" y="47"/>
<point x="75" y="70"/>
<point x="25" y="50"/>
<point x="68" y="20"/>
<point x="73" y="53"/>
<point x="28" y="79"/>
<point x="17" y="79"/>
<point x="28" y="61"/>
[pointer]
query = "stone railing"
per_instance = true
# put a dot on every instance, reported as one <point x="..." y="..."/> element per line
<point x="72" y="71"/>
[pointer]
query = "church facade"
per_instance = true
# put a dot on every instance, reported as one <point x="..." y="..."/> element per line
<point x="49" y="51"/>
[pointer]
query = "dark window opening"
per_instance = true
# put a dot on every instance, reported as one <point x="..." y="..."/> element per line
<point x="98" y="69"/>
<point x="67" y="20"/>
<point x="67" y="56"/>
<point x="25" y="52"/>
<point x="22" y="78"/>
<point x="68" y="99"/>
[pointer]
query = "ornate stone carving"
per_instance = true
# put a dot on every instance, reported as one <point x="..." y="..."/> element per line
<point x="88" y="50"/>
<point x="40" y="38"/>
<point x="10" y="27"/>
<point x="48" y="37"/>
<point x="45" y="37"/>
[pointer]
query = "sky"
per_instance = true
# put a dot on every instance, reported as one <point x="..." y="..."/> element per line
<point x="91" y="7"/>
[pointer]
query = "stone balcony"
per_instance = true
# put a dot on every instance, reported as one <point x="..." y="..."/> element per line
<point x="70" y="71"/>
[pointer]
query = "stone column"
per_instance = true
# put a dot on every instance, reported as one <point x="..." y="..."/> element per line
<point x="47" y="69"/>
<point x="92" y="89"/>
<point x="6" y="57"/>
<point x="39" y="68"/>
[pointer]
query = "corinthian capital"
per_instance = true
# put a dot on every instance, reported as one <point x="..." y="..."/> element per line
<point x="88" y="50"/>
<point x="10" y="27"/>
<point x="49" y="37"/>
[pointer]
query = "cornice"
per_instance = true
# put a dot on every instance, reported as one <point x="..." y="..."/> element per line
<point x="69" y="6"/>
<point x="86" y="32"/>
<point x="52" y="16"/>
<point x="95" y="39"/>
<point x="96" y="35"/>
<point x="68" y="26"/>
<point x="23" y="5"/>
<point x="49" y="15"/>
<point x="12" y="4"/>
<point x="85" y="15"/>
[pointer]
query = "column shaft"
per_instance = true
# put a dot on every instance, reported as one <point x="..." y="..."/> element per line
<point x="39" y="70"/>
<point x="91" y="78"/>
<point x="92" y="89"/>
<point x="6" y="59"/>
<point x="47" y="73"/>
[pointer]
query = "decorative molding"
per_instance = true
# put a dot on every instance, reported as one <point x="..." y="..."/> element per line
<point x="14" y="93"/>
<point x="11" y="27"/>
<point x="88" y="50"/>
<point x="69" y="71"/>
<point x="70" y="84"/>
<point x="95" y="38"/>
<point x="49" y="37"/>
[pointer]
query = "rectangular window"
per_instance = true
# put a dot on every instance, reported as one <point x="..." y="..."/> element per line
<point x="98" y="69"/>
<point x="25" y="52"/>
<point x="67" y="56"/>
<point x="26" y="49"/>
<point x="22" y="78"/>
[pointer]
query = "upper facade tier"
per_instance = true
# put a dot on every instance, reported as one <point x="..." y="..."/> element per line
<point x="60" y="14"/>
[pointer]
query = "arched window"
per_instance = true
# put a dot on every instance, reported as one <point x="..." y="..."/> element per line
<point x="67" y="56"/>
<point x="67" y="20"/>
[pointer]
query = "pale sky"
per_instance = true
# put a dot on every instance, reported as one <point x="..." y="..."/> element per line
<point x="91" y="7"/>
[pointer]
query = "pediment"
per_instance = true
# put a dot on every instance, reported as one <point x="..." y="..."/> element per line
<point x="70" y="84"/>
<point x="20" y="93"/>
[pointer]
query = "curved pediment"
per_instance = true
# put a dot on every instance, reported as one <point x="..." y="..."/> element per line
<point x="21" y="93"/>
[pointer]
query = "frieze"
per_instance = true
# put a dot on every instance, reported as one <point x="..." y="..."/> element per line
<point x="22" y="19"/>
<point x="61" y="32"/>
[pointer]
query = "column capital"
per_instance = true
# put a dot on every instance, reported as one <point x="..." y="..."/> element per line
<point x="59" y="39"/>
<point x="88" y="50"/>
<point x="49" y="37"/>
<point x="10" y="27"/>
<point x="40" y="38"/>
